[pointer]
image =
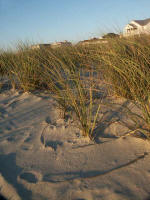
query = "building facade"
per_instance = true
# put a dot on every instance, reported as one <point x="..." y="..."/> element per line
<point x="137" y="27"/>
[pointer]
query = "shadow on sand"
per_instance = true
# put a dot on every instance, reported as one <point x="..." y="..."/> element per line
<point x="68" y="176"/>
<point x="10" y="171"/>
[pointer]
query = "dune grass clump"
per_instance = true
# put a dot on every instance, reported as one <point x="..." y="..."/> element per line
<point x="68" y="73"/>
<point x="22" y="68"/>
<point x="65" y="70"/>
<point x="127" y="68"/>
<point x="4" y="57"/>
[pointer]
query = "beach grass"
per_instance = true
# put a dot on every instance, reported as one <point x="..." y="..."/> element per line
<point x="65" y="70"/>
<point x="127" y="69"/>
<point x="69" y="74"/>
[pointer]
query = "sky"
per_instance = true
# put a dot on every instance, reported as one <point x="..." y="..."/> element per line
<point x="47" y="21"/>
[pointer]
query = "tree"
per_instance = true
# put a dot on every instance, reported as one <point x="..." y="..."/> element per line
<point x="110" y="35"/>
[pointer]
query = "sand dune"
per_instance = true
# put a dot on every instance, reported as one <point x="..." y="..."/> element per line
<point x="44" y="157"/>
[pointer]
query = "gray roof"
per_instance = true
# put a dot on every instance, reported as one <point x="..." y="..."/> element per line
<point x="143" y="22"/>
<point x="133" y="25"/>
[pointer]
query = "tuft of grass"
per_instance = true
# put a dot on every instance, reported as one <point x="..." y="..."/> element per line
<point x="22" y="68"/>
<point x="65" y="70"/>
<point x="127" y="69"/>
<point x="68" y="73"/>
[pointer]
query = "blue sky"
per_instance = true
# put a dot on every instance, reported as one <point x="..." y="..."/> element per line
<point x="46" y="21"/>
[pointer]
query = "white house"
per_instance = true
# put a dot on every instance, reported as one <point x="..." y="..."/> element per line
<point x="53" y="45"/>
<point x="137" y="27"/>
<point x="39" y="46"/>
<point x="60" y="44"/>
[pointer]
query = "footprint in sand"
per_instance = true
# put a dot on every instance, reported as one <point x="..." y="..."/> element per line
<point x="49" y="138"/>
<point x="53" y="144"/>
<point x="31" y="176"/>
<point x="48" y="120"/>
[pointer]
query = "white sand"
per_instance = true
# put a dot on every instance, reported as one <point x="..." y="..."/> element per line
<point x="43" y="157"/>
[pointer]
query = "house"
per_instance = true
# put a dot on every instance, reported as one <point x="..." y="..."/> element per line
<point x="61" y="44"/>
<point x="39" y="46"/>
<point x="53" y="45"/>
<point x="92" y="41"/>
<point x="137" y="27"/>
